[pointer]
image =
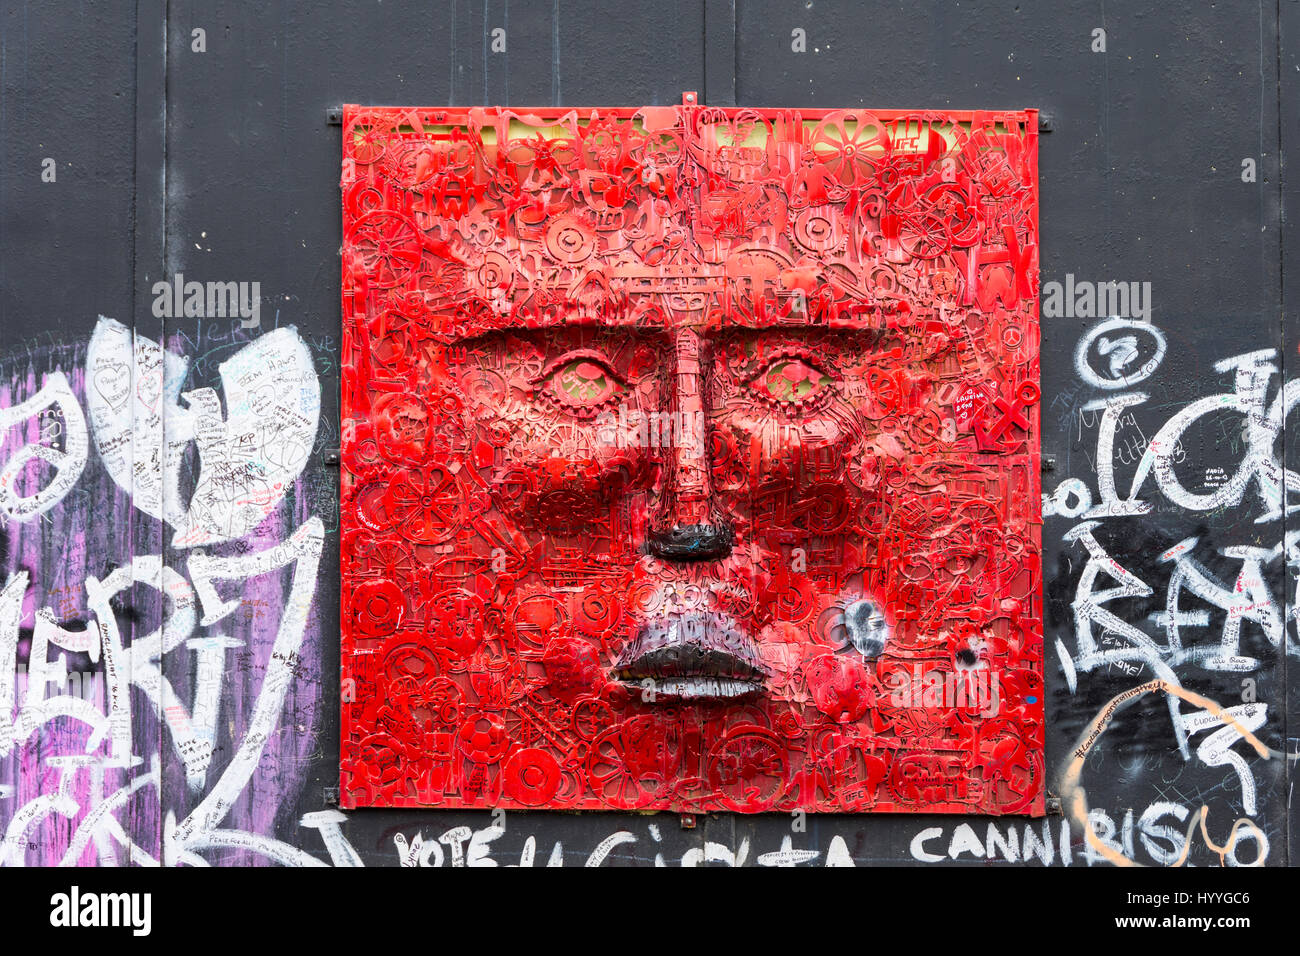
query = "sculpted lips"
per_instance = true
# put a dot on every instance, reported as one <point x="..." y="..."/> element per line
<point x="692" y="655"/>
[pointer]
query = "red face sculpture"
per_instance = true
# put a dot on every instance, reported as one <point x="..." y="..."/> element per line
<point x="691" y="460"/>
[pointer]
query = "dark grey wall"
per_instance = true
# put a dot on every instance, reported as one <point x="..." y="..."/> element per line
<point x="221" y="165"/>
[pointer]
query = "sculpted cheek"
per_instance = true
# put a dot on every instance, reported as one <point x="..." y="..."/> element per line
<point x="793" y="478"/>
<point x="564" y="493"/>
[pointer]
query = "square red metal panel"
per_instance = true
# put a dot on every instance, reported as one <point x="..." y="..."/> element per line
<point x="691" y="460"/>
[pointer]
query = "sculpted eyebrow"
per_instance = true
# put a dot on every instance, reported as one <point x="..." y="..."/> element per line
<point x="470" y="330"/>
<point x="644" y="298"/>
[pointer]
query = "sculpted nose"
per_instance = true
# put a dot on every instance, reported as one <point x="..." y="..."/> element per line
<point x="685" y="524"/>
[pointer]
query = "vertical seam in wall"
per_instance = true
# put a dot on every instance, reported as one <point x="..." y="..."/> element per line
<point x="555" y="54"/>
<point x="735" y="51"/>
<point x="146" y="245"/>
<point x="451" y="37"/>
<point x="704" y="52"/>
<point x="1282" y="651"/>
<point x="162" y="451"/>
<point x="131" y="323"/>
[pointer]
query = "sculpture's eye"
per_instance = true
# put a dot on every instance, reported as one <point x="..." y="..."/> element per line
<point x="581" y="383"/>
<point x="791" y="380"/>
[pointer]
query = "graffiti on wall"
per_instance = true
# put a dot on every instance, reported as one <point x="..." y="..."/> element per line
<point x="1176" y="567"/>
<point x="158" y="641"/>
<point x="691" y="460"/>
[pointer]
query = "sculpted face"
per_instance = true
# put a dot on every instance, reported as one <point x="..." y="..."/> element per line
<point x="690" y="461"/>
<point x="686" y="467"/>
